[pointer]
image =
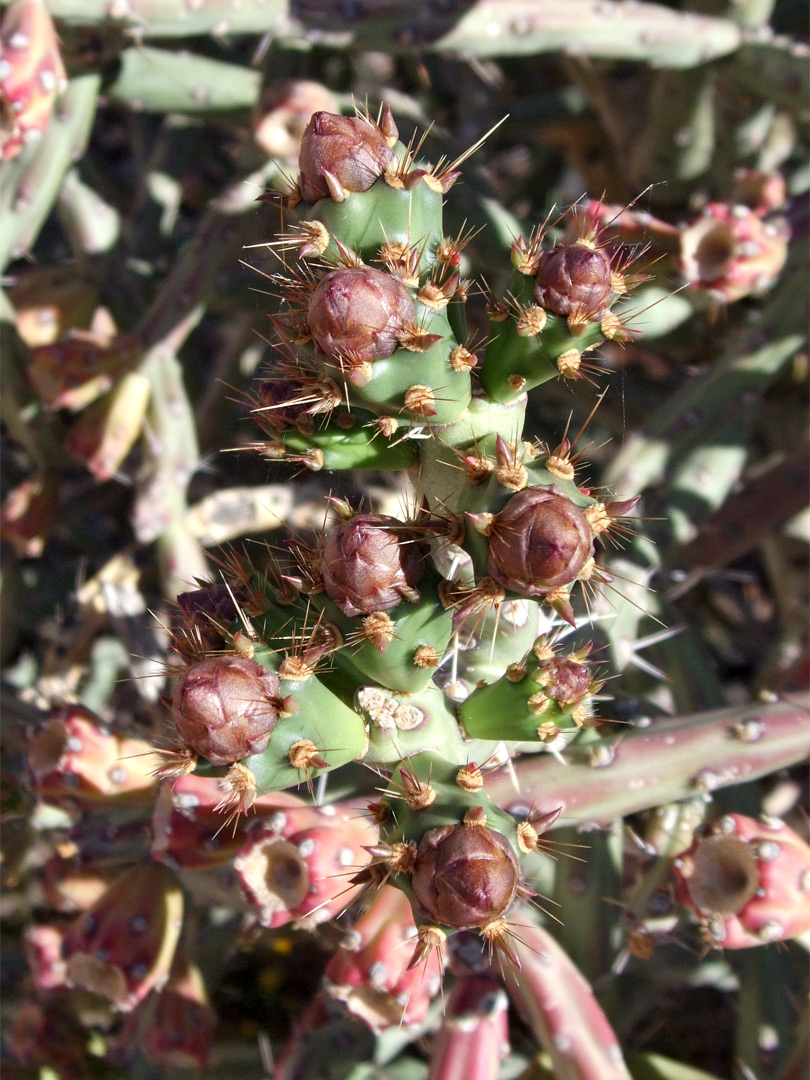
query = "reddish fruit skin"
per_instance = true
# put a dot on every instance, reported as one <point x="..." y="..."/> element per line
<point x="75" y="761"/>
<point x="225" y="708"/>
<point x="357" y="314"/>
<point x="747" y="881"/>
<point x="574" y="281"/>
<point x="540" y="541"/>
<point x="465" y="875"/>
<point x="369" y="561"/>
<point x="353" y="150"/>
<point x="122" y="948"/>
<point x="31" y="77"/>
<point x="295" y="867"/>
<point x="372" y="975"/>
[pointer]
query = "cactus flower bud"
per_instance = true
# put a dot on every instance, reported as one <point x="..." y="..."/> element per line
<point x="357" y="314"/>
<point x="748" y="881"/>
<point x="540" y="541"/>
<point x="574" y="280"/>
<point x="225" y="708"/>
<point x="370" y="563"/>
<point x="564" y="680"/>
<point x="465" y="875"/>
<point x="206" y="614"/>
<point x="341" y="154"/>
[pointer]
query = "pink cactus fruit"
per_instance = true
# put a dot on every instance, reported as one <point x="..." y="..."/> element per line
<point x="192" y="828"/>
<point x="296" y="868"/>
<point x="105" y="432"/>
<point x="75" y="761"/>
<point x="180" y="1028"/>
<point x="43" y="950"/>
<point x="32" y="74"/>
<point x="474" y="1036"/>
<point x="747" y="881"/>
<point x="28" y="514"/>
<point x="123" y="947"/>
<point x="558" y="1004"/>
<point x="283" y="113"/>
<point x="70" y="887"/>
<point x="80" y="367"/>
<point x="43" y="1035"/>
<point x="729" y="252"/>
<point x="371" y="973"/>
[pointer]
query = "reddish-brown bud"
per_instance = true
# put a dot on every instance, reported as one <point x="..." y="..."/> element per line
<point x="226" y="707"/>
<point x="465" y="875"/>
<point x="341" y="154"/>
<point x="563" y="680"/>
<point x="540" y="541"/>
<point x="206" y="615"/>
<point x="358" y="314"/>
<point x="371" y="563"/>
<point x="574" y="280"/>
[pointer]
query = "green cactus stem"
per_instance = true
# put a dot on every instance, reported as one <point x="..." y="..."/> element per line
<point x="676" y="758"/>
<point x="637" y="31"/>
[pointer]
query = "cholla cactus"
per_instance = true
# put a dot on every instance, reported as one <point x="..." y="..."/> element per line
<point x="390" y="737"/>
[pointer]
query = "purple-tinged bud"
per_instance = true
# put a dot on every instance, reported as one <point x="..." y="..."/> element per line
<point x="357" y="315"/>
<point x="575" y="281"/>
<point x="206" y="614"/>
<point x="123" y="947"/>
<point x="539" y="542"/>
<point x="225" y="708"/>
<point x="465" y="875"/>
<point x="342" y="154"/>
<point x="371" y="562"/>
<point x="564" y="680"/>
